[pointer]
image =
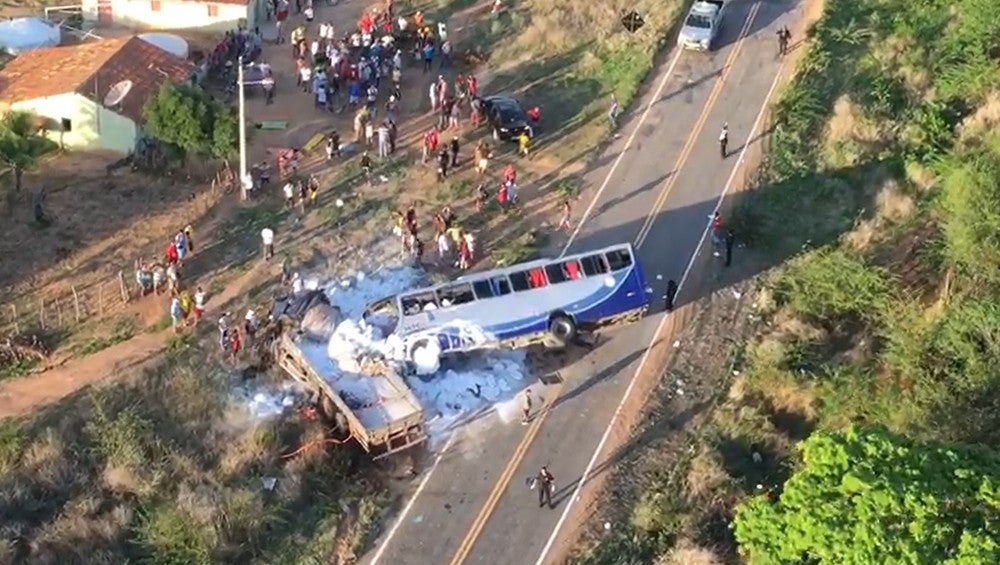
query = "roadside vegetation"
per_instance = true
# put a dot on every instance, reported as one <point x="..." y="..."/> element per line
<point x="164" y="465"/>
<point x="868" y="396"/>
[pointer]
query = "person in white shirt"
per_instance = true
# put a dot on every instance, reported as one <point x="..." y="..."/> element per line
<point x="199" y="304"/>
<point x="305" y="75"/>
<point x="289" y="191"/>
<point x="267" y="238"/>
<point x="443" y="246"/>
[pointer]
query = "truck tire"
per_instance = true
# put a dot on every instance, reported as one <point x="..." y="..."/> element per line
<point x="562" y="329"/>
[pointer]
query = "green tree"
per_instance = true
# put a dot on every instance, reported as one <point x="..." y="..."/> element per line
<point x="20" y="143"/>
<point x="867" y="496"/>
<point x="186" y="116"/>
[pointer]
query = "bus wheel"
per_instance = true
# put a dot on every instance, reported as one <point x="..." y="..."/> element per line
<point x="562" y="329"/>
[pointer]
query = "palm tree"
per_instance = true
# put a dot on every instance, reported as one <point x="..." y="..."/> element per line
<point x="20" y="143"/>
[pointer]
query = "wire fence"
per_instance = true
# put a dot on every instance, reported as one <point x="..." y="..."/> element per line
<point x="75" y="307"/>
<point x="41" y="311"/>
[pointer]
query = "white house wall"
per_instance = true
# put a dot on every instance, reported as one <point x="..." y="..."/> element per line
<point x="175" y="14"/>
<point x="92" y="126"/>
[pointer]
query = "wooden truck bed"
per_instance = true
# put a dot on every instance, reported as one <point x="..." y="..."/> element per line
<point x="381" y="411"/>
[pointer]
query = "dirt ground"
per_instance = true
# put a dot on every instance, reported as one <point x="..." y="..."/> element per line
<point x="130" y="215"/>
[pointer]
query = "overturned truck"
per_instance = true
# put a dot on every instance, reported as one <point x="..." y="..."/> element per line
<point x="376" y="408"/>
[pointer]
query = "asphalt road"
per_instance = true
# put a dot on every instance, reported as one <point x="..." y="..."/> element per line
<point x="472" y="505"/>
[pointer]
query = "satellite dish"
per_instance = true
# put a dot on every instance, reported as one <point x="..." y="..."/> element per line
<point x="117" y="93"/>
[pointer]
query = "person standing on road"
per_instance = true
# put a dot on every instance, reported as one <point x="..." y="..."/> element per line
<point x="724" y="140"/>
<point x="564" y="222"/>
<point x="730" y="239"/>
<point x="526" y="408"/>
<point x="267" y="239"/>
<point x="669" y="295"/>
<point x="717" y="234"/>
<point x="545" y="482"/>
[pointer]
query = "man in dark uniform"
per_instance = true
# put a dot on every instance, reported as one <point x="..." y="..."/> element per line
<point x="545" y="483"/>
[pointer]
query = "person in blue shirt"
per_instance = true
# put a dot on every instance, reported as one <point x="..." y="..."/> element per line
<point x="428" y="56"/>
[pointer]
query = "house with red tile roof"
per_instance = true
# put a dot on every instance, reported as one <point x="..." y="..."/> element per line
<point x="91" y="95"/>
<point x="176" y="14"/>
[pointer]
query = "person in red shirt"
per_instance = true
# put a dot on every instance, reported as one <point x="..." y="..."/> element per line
<point x="234" y="345"/>
<point x="509" y="174"/>
<point x="473" y="85"/>
<point x="535" y="114"/>
<point x="171" y="253"/>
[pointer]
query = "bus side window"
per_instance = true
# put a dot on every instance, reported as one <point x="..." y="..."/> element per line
<point x="619" y="259"/>
<point x="483" y="289"/>
<point x="419" y="302"/>
<point x="594" y="265"/>
<point x="556" y="273"/>
<point x="519" y="281"/>
<point x="500" y="285"/>
<point x="460" y="293"/>
<point x="572" y="269"/>
<point x="411" y="305"/>
<point x="537" y="277"/>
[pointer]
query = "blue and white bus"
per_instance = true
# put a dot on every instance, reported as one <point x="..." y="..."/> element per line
<point x="546" y="300"/>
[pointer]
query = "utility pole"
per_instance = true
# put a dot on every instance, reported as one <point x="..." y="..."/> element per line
<point x="243" y="180"/>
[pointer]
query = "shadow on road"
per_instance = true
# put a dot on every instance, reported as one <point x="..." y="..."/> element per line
<point x="738" y="10"/>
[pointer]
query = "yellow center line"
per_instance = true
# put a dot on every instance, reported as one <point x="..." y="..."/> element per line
<point x="522" y="448"/>
<point x="508" y="472"/>
<point x="699" y="125"/>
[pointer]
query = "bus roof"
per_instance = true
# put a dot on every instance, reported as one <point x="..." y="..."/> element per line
<point x="472" y="277"/>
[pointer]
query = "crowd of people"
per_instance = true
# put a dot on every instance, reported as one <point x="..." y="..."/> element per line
<point x="358" y="68"/>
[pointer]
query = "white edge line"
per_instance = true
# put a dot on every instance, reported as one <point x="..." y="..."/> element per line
<point x="412" y="501"/>
<point x="628" y="143"/>
<point x="659" y="328"/>
<point x="576" y="232"/>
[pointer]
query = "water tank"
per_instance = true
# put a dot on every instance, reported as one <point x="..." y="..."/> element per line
<point x="173" y="44"/>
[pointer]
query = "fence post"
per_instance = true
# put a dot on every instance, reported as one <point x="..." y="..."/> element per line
<point x="100" y="298"/>
<point x="76" y="303"/>
<point x="17" y="323"/>
<point x="122" y="288"/>
<point x="41" y="313"/>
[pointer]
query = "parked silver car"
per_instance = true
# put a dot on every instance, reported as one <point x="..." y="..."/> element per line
<point x="702" y="25"/>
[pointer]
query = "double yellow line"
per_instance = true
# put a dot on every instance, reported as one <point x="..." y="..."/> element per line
<point x="522" y="448"/>
<point x="696" y="131"/>
<point x="508" y="472"/>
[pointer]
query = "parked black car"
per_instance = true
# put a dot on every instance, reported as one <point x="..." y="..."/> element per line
<point x="506" y="117"/>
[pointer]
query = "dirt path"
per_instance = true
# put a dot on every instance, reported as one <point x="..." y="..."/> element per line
<point x="21" y="396"/>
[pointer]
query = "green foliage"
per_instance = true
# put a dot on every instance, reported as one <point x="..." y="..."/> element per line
<point x="867" y="496"/>
<point x="517" y="250"/>
<point x="969" y="202"/>
<point x="832" y="283"/>
<point x="20" y="143"/>
<point x="12" y="442"/>
<point x="172" y="537"/>
<point x="188" y="118"/>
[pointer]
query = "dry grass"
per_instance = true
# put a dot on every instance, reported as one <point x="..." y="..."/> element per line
<point x="892" y="204"/>
<point x="982" y="121"/>
<point x="687" y="552"/>
<point x="155" y="466"/>
<point x="705" y="474"/>
<point x="850" y="136"/>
